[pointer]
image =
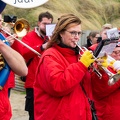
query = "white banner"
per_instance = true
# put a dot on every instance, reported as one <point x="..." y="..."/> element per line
<point x="25" y="3"/>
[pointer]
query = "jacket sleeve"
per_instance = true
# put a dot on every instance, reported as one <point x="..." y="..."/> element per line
<point x="58" y="78"/>
<point x="26" y="52"/>
<point x="101" y="88"/>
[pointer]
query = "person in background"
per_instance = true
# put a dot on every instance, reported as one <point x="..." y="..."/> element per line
<point x="107" y="26"/>
<point x="116" y="52"/>
<point x="92" y="38"/>
<point x="18" y="66"/>
<point x="103" y="35"/>
<point x="38" y="40"/>
<point x="11" y="78"/>
<point x="62" y="77"/>
<point x="16" y="63"/>
<point x="107" y="96"/>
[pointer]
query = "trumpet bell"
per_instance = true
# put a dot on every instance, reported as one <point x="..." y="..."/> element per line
<point x="113" y="79"/>
<point x="21" y="27"/>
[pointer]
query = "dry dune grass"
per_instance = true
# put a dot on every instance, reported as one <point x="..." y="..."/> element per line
<point x="93" y="13"/>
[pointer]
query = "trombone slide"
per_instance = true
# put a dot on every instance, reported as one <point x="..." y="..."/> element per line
<point x="24" y="44"/>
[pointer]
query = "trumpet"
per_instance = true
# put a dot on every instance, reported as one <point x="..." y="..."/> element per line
<point x="21" y="27"/>
<point x="83" y="49"/>
<point x="113" y="78"/>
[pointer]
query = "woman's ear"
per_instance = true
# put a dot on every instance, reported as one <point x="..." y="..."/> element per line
<point x="61" y="34"/>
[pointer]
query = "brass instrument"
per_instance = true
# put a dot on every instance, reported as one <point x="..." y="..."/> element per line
<point x="21" y="27"/>
<point x="94" y="69"/>
<point x="113" y="78"/>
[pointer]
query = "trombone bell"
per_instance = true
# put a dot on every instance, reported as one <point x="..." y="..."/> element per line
<point x="21" y="27"/>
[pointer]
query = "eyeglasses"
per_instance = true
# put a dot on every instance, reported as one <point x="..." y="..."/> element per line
<point x="116" y="52"/>
<point x="74" y="33"/>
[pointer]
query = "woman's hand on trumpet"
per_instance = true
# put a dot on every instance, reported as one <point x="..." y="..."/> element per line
<point x="87" y="58"/>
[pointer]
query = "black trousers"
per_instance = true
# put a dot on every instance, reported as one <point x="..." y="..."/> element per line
<point x="29" y="103"/>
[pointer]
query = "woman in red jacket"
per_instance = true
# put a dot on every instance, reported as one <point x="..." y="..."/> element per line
<point x="61" y="75"/>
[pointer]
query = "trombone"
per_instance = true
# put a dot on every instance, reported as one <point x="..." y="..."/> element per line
<point x="21" y="27"/>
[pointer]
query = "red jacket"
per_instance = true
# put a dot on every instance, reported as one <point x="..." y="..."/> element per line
<point x="107" y="98"/>
<point x="34" y="41"/>
<point x="57" y="91"/>
<point x="93" y="47"/>
<point x="5" y="107"/>
<point x="11" y="80"/>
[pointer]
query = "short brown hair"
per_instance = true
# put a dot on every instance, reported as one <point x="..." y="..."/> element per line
<point x="45" y="14"/>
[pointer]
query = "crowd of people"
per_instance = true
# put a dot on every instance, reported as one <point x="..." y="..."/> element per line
<point x="61" y="83"/>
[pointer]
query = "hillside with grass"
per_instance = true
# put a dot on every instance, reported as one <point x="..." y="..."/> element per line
<point x="93" y="13"/>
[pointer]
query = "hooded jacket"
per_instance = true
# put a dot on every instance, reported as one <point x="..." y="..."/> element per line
<point x="57" y="91"/>
<point x="106" y="98"/>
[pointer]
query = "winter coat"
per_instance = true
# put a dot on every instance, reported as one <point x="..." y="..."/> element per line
<point x="5" y="107"/>
<point x="57" y="91"/>
<point x="33" y="40"/>
<point x="107" y="98"/>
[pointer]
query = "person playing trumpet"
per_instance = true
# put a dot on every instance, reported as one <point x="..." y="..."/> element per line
<point x="107" y="95"/>
<point x="63" y="80"/>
